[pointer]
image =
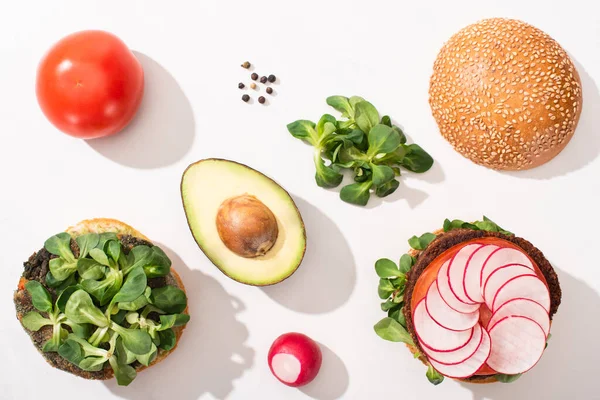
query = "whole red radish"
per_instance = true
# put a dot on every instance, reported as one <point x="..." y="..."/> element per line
<point x="295" y="359"/>
<point x="90" y="84"/>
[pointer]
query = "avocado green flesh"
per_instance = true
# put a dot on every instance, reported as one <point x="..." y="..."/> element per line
<point x="206" y="184"/>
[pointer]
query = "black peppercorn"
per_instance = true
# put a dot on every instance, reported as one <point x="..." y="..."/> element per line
<point x="269" y="90"/>
<point x="272" y="78"/>
<point x="241" y="85"/>
<point x="246" y="64"/>
<point x="261" y="100"/>
<point x="254" y="76"/>
<point x="263" y="79"/>
<point x="245" y="98"/>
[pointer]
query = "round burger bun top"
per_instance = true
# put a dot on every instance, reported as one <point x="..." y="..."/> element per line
<point x="505" y="94"/>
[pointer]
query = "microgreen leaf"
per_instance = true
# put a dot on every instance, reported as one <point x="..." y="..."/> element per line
<point x="71" y="351"/>
<point x="326" y="176"/>
<point x="169" y="321"/>
<point x="341" y="104"/>
<point x="406" y="263"/>
<point x="90" y="269"/>
<point x="386" y="268"/>
<point x="385" y="289"/>
<point x="382" y="174"/>
<point x="388" y="305"/>
<point x="134" y="286"/>
<point x="106" y="237"/>
<point x="60" y="245"/>
<point x="507" y="378"/>
<point x="356" y="193"/>
<point x="61" y="268"/>
<point x="168" y="340"/>
<point x="326" y="126"/>
<point x="81" y="309"/>
<point x="34" y="321"/>
<point x="385" y="120"/>
<point x="365" y="116"/>
<point x="169" y="299"/>
<point x="304" y="130"/>
<point x="390" y="329"/>
<point x="416" y="159"/>
<point x="92" y="363"/>
<point x="421" y="242"/>
<point x="124" y="373"/>
<point x="64" y="296"/>
<point x="40" y="297"/>
<point x="114" y="250"/>
<point x="135" y="340"/>
<point x="387" y="188"/>
<point x="100" y="257"/>
<point x="382" y="139"/>
<point x="433" y="376"/>
<point x="86" y="243"/>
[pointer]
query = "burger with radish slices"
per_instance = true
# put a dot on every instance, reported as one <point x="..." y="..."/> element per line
<point x="472" y="301"/>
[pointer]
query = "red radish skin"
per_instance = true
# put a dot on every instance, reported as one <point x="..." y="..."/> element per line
<point x="500" y="276"/>
<point x="471" y="280"/>
<point x="522" y="308"/>
<point x="500" y="257"/>
<point x="471" y="365"/>
<point x="518" y="344"/>
<point x="460" y="355"/>
<point x="527" y="287"/>
<point x="472" y="274"/>
<point x="456" y="271"/>
<point x="295" y="359"/>
<point x="436" y="337"/>
<point x="449" y="297"/>
<point x="445" y="316"/>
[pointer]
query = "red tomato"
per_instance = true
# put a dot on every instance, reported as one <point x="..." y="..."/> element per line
<point x="90" y="84"/>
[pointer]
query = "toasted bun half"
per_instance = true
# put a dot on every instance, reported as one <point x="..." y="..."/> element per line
<point x="505" y="94"/>
<point x="446" y="240"/>
<point x="100" y="225"/>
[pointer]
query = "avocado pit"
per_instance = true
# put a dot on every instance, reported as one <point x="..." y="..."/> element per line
<point x="246" y="226"/>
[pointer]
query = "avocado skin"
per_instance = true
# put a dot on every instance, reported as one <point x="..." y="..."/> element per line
<point x="216" y="264"/>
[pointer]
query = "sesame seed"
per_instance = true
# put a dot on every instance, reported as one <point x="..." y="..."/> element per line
<point x="505" y="94"/>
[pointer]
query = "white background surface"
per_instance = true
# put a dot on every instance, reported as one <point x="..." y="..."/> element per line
<point x="383" y="51"/>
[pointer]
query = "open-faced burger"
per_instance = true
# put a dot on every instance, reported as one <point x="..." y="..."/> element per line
<point x="472" y="301"/>
<point x="100" y="300"/>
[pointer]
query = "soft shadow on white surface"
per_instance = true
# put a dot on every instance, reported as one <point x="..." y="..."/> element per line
<point x="211" y="353"/>
<point x="163" y="129"/>
<point x="332" y="381"/>
<point x="568" y="369"/>
<point x="584" y="147"/>
<point x="327" y="276"/>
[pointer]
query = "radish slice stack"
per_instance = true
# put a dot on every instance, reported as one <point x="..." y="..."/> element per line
<point x="447" y="319"/>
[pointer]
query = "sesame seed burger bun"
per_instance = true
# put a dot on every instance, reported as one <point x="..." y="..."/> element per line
<point x="505" y="94"/>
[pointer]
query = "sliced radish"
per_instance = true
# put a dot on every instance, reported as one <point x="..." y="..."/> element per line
<point x="444" y="288"/>
<point x="294" y="359"/>
<point x="460" y="355"/>
<point x="445" y="316"/>
<point x="499" y="258"/>
<point x="434" y="336"/>
<point x="456" y="271"/>
<point x="500" y="276"/>
<point x="470" y="365"/>
<point x="518" y="344"/>
<point x="522" y="308"/>
<point x="472" y="279"/>
<point x="526" y="287"/>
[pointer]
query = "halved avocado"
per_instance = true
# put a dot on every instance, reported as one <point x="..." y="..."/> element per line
<point x="245" y="223"/>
